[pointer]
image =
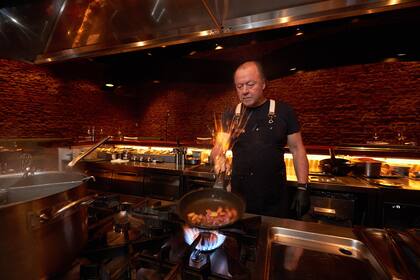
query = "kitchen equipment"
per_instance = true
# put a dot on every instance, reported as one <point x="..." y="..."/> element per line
<point x="398" y="251"/>
<point x="295" y="254"/>
<point x="367" y="167"/>
<point x="199" y="201"/>
<point x="150" y="229"/>
<point x="190" y="160"/>
<point x="87" y="152"/>
<point x="400" y="170"/>
<point x="44" y="224"/>
<point x="339" y="206"/>
<point x="335" y="166"/>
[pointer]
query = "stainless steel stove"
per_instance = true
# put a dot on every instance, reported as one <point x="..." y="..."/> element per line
<point x="139" y="238"/>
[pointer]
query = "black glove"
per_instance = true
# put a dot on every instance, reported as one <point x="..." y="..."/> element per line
<point x="301" y="202"/>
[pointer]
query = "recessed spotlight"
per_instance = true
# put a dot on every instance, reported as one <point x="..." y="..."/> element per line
<point x="149" y="53"/>
<point x="218" y="47"/>
<point x="192" y="53"/>
<point x="109" y="85"/>
<point x="293" y="69"/>
<point x="163" y="46"/>
<point x="298" y="32"/>
<point x="401" y="54"/>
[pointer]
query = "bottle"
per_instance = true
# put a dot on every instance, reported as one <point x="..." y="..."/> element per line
<point x="93" y="133"/>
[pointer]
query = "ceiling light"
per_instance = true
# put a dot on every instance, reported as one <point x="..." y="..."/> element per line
<point x="401" y="54"/>
<point x="218" y="47"/>
<point x="298" y="32"/>
<point x="156" y="82"/>
<point x="149" y="54"/>
<point x="293" y="69"/>
<point x="163" y="46"/>
<point x="109" y="85"/>
<point x="192" y="53"/>
<point x="140" y="44"/>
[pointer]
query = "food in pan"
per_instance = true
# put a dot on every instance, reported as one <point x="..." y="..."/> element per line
<point x="220" y="217"/>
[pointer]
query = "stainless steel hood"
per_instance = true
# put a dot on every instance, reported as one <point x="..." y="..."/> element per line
<point x="103" y="27"/>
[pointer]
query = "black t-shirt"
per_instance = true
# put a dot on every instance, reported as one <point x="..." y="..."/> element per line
<point x="259" y="149"/>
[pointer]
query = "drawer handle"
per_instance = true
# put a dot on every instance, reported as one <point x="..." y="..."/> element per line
<point x="324" y="210"/>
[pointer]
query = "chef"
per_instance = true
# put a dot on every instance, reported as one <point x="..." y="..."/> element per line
<point x="257" y="130"/>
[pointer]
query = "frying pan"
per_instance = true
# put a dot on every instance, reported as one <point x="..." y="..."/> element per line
<point x="210" y="198"/>
<point x="335" y="166"/>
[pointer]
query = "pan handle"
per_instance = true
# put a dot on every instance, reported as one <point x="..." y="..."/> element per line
<point x="47" y="215"/>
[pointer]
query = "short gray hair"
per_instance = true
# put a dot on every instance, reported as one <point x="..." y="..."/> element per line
<point x="256" y="63"/>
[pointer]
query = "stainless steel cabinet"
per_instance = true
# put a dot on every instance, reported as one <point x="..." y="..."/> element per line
<point x="128" y="182"/>
<point x="162" y="185"/>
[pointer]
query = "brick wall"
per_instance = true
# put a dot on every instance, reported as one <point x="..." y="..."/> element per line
<point x="338" y="105"/>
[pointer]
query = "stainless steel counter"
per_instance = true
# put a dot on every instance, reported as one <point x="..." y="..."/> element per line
<point x="334" y="183"/>
<point x="307" y="250"/>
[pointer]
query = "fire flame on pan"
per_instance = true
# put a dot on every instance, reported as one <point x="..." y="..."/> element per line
<point x="226" y="135"/>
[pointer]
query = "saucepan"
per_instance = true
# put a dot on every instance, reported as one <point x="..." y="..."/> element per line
<point x="45" y="223"/>
<point x="335" y="166"/>
<point x="225" y="207"/>
<point x="367" y="167"/>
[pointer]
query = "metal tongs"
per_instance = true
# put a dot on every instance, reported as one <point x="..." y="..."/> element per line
<point x="220" y="180"/>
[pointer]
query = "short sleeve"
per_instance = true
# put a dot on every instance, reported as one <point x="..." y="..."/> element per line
<point x="291" y="120"/>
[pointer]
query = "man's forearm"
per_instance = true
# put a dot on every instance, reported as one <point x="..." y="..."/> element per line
<point x="300" y="162"/>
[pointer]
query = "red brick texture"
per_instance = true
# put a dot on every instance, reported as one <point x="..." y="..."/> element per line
<point x="338" y="105"/>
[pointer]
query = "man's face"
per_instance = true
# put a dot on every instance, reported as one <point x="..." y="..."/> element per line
<point x="249" y="85"/>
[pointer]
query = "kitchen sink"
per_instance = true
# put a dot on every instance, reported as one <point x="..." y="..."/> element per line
<point x="294" y="254"/>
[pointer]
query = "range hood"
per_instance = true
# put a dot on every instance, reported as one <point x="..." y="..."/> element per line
<point x="92" y="28"/>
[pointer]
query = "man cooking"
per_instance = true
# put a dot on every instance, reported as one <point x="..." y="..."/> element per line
<point x="257" y="130"/>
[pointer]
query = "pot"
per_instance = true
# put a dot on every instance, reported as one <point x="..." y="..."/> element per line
<point x="400" y="170"/>
<point x="367" y="167"/>
<point x="199" y="201"/>
<point x="335" y="166"/>
<point x="44" y="220"/>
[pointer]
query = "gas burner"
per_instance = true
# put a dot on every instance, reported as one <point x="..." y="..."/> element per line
<point x="144" y="236"/>
<point x="198" y="257"/>
<point x="109" y="201"/>
<point x="210" y="240"/>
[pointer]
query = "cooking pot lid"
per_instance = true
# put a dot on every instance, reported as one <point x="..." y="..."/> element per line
<point x="366" y="160"/>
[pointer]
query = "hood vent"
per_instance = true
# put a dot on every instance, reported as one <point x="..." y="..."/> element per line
<point x="91" y="28"/>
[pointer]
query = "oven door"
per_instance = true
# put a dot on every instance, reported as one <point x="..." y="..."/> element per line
<point x="333" y="207"/>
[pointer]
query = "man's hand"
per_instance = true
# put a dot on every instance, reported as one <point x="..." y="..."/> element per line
<point x="301" y="202"/>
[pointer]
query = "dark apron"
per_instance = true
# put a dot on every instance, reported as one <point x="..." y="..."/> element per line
<point x="258" y="172"/>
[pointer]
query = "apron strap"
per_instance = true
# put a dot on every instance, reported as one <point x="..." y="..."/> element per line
<point x="271" y="111"/>
<point x="238" y="110"/>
